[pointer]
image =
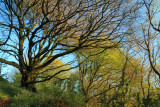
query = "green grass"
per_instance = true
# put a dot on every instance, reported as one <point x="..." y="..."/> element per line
<point x="8" y="90"/>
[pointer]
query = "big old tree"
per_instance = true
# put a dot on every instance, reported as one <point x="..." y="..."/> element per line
<point x="37" y="32"/>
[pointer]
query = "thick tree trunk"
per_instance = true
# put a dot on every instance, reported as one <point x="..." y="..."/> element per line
<point x="32" y="87"/>
<point x="24" y="83"/>
<point x="87" y="103"/>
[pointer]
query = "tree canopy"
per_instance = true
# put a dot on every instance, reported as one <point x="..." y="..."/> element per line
<point x="37" y="32"/>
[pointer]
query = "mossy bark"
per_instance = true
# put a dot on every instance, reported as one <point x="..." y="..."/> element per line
<point x="27" y="83"/>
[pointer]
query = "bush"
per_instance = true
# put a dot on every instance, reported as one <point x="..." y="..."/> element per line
<point x="27" y="99"/>
<point x="46" y="97"/>
<point x="64" y="97"/>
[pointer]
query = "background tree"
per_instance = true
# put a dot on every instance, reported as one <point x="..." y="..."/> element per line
<point x="151" y="34"/>
<point x="108" y="77"/>
<point x="148" y="41"/>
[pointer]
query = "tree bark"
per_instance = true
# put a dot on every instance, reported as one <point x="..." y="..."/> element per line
<point x="26" y="83"/>
<point x="87" y="102"/>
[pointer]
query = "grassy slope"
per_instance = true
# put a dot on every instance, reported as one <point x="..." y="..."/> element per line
<point x="16" y="93"/>
<point x="48" y="97"/>
<point x="7" y="90"/>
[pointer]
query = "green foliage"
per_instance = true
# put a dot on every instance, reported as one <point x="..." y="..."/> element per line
<point x="75" y="99"/>
<point x="63" y="97"/>
<point x="16" y="78"/>
<point x="151" y="101"/>
<point x="8" y="90"/>
<point x="25" y="99"/>
<point x="47" y="97"/>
